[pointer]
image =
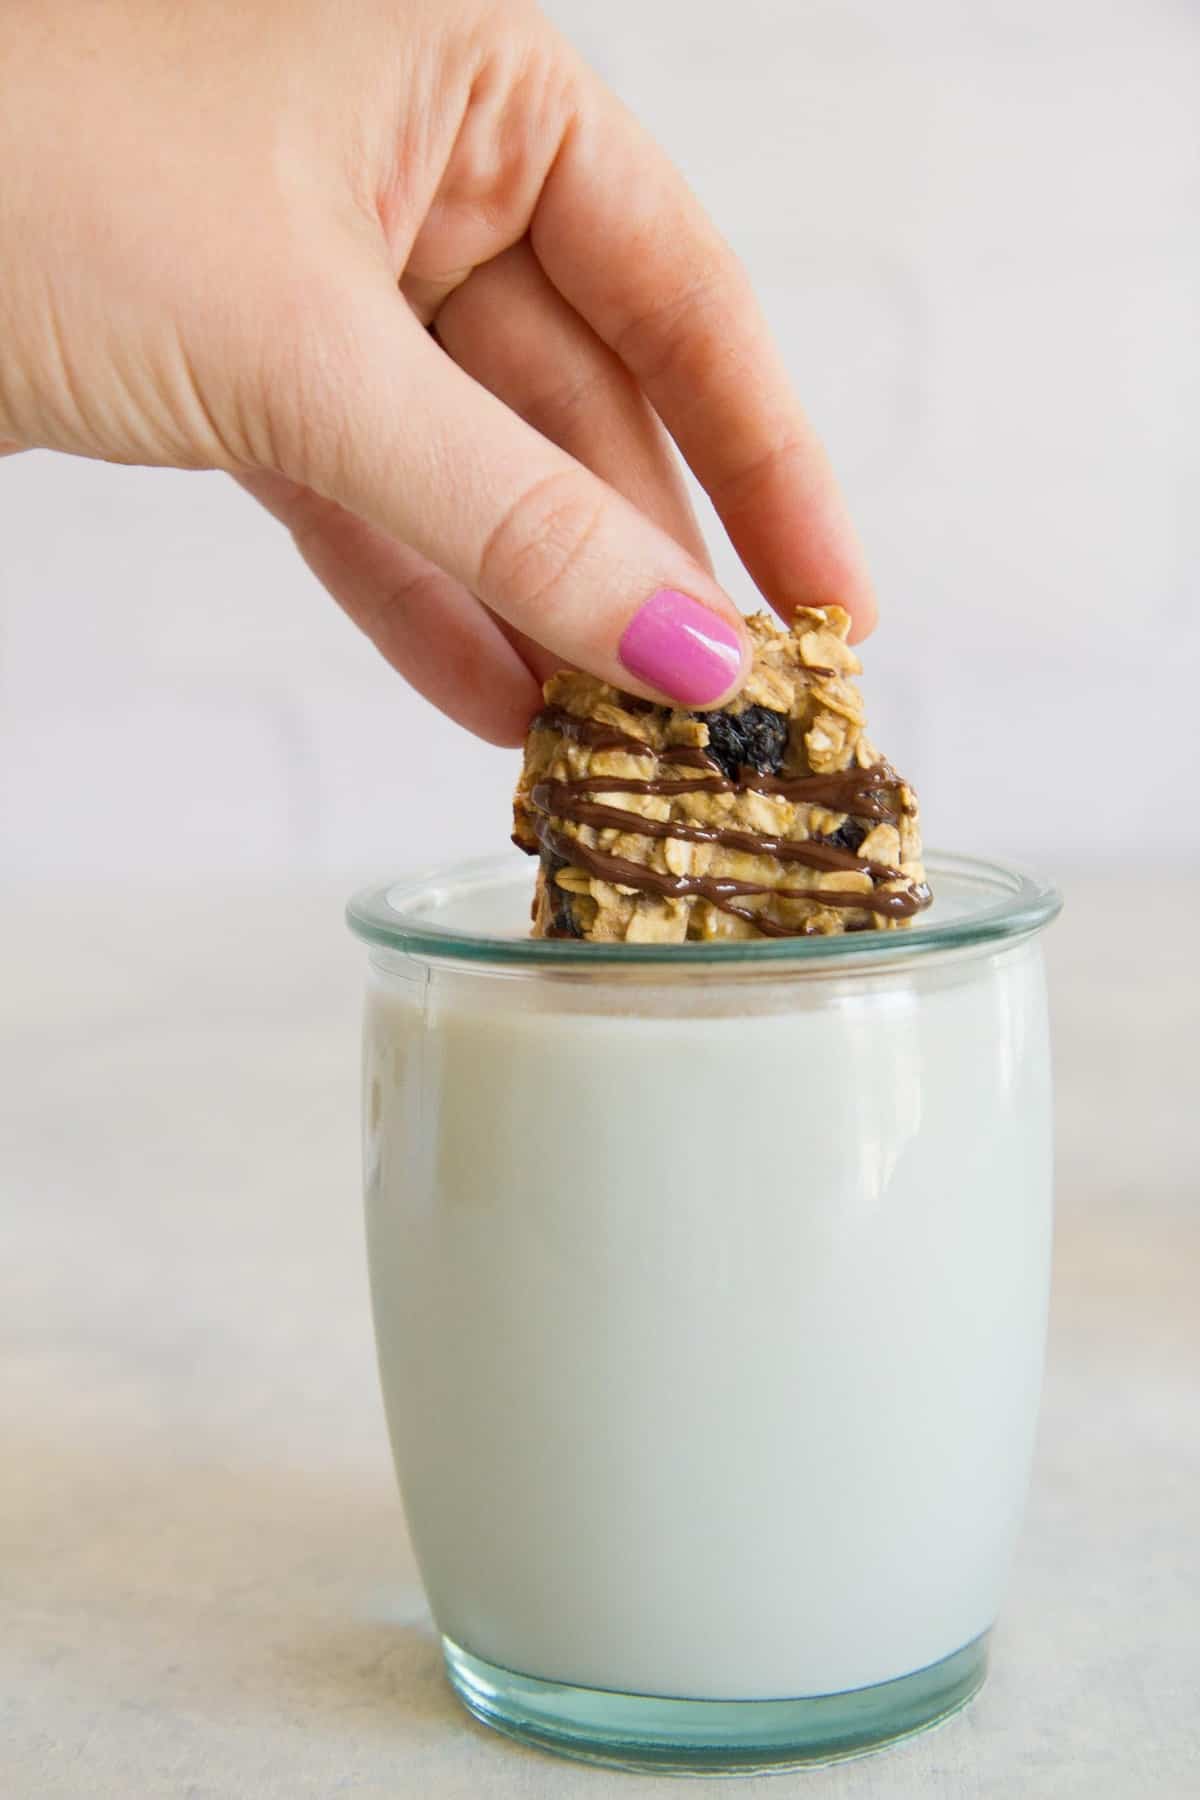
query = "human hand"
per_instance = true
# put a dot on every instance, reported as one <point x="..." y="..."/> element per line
<point x="224" y="230"/>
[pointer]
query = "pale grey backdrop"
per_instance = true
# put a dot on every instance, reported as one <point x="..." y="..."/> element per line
<point x="974" y="228"/>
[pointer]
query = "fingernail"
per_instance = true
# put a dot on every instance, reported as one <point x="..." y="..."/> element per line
<point x="682" y="648"/>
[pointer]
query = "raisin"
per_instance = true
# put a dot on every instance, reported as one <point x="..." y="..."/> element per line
<point x="755" y="738"/>
<point x="563" y="923"/>
<point x="848" y="836"/>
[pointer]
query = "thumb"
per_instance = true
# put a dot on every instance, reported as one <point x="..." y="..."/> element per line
<point x="409" y="442"/>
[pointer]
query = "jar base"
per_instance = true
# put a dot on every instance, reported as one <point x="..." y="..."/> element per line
<point x="700" y="1737"/>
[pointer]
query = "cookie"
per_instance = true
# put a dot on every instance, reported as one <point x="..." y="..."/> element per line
<point x="772" y="817"/>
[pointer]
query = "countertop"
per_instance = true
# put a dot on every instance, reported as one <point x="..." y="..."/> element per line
<point x="206" y="1591"/>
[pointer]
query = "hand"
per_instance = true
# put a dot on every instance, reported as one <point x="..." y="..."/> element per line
<point x="225" y="228"/>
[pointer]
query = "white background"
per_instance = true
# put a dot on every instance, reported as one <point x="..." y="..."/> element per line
<point x="974" y="228"/>
<point x="974" y="223"/>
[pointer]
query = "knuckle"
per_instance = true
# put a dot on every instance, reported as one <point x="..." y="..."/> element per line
<point x="310" y="380"/>
<point x="541" y="541"/>
<point x="408" y="597"/>
<point x="675" y="336"/>
<point x="551" y="408"/>
<point x="745" y="475"/>
<point x="308" y="517"/>
<point x="391" y="614"/>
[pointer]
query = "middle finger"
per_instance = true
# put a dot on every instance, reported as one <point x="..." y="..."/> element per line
<point x="509" y="329"/>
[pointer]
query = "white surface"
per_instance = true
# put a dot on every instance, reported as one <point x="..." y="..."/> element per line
<point x="205" y="1588"/>
<point x="711" y="1309"/>
<point x="973" y="227"/>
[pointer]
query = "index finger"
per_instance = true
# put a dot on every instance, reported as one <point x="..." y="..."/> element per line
<point x="623" y="238"/>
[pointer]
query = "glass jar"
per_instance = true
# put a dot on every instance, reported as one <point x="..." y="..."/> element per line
<point x="710" y="1288"/>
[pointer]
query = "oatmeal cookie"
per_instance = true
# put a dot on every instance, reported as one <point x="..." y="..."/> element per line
<point x="774" y="817"/>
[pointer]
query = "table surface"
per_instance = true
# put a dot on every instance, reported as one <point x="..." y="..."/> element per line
<point x="206" y="1590"/>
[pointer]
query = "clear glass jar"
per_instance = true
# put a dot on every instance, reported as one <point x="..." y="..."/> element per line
<point x="710" y="1289"/>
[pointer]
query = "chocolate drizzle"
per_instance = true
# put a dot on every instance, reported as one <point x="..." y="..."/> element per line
<point x="859" y="791"/>
<point x="560" y="800"/>
<point x="686" y="756"/>
<point x="721" y="889"/>
<point x="592" y="732"/>
<point x="874" y="794"/>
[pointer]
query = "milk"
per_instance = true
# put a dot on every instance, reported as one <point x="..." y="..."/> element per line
<point x="710" y="1313"/>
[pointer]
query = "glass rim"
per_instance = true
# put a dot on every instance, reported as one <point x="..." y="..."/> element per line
<point x="388" y="916"/>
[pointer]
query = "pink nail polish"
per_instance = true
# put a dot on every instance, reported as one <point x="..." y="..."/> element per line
<point x="682" y="648"/>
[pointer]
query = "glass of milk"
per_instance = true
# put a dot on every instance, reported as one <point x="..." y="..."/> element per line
<point x="710" y="1292"/>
